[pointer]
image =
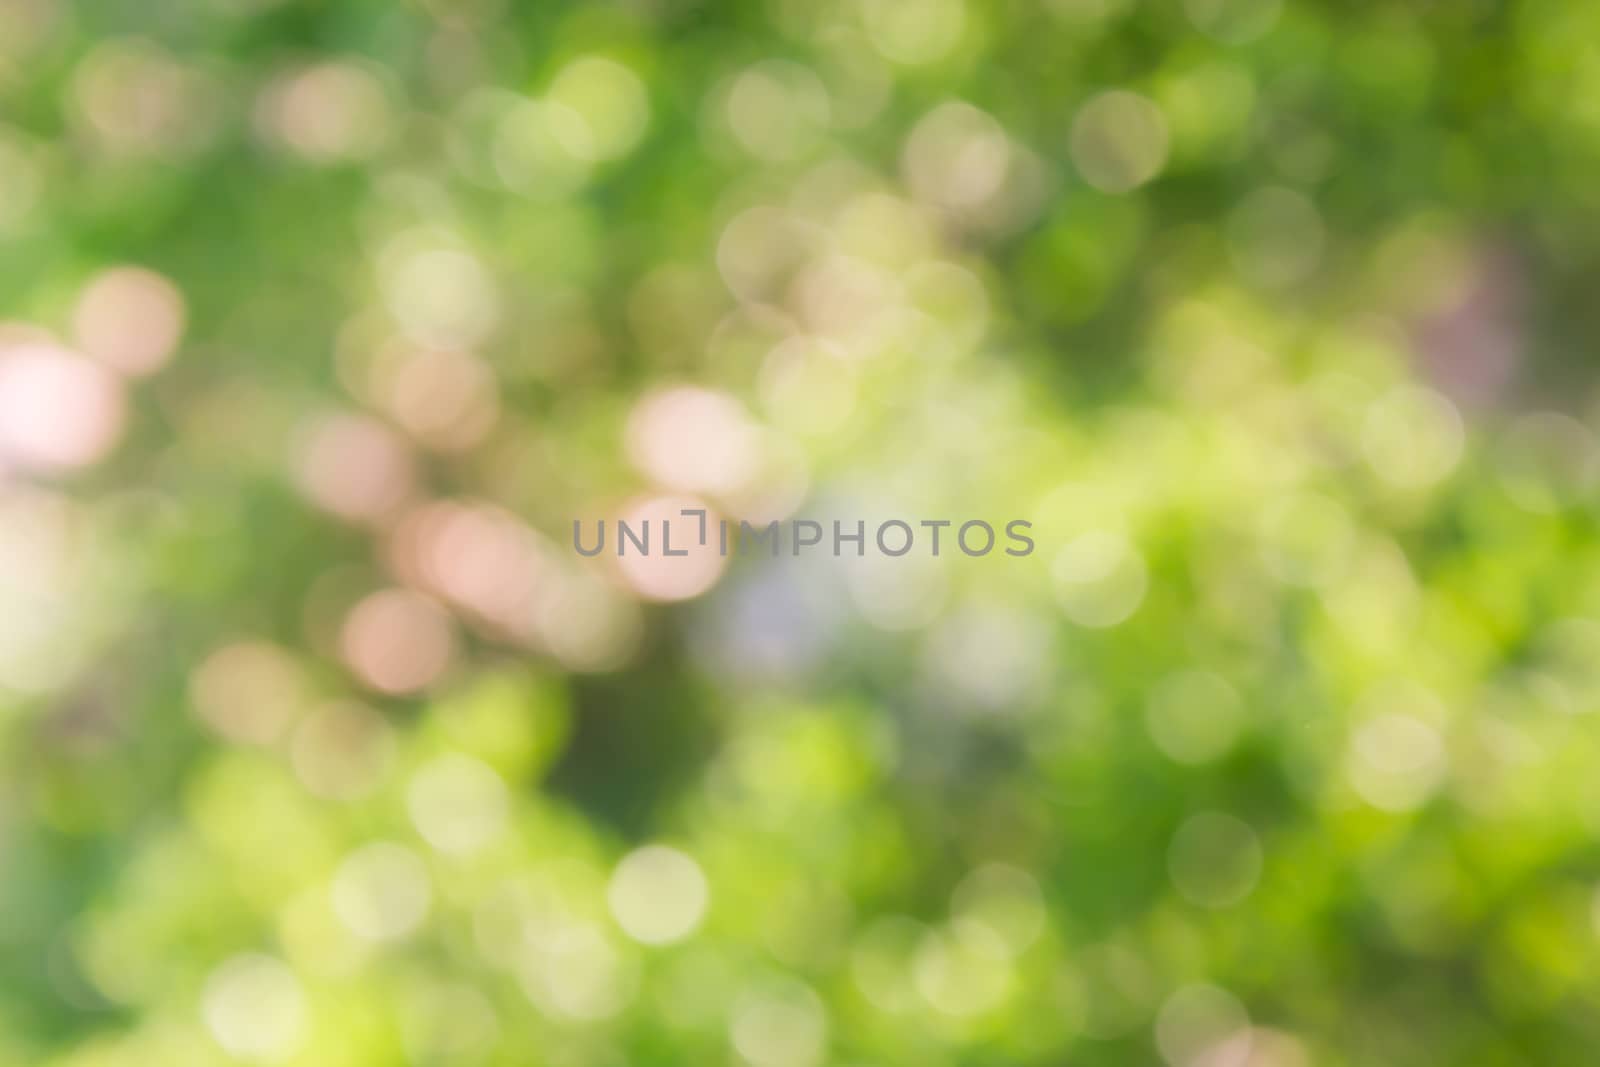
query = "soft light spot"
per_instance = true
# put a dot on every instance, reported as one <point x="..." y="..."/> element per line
<point x="1100" y="579"/>
<point x="1396" y="761"/>
<point x="608" y="100"/>
<point x="783" y="1025"/>
<point x="134" y="99"/>
<point x="778" y="110"/>
<point x="329" y="112"/>
<point x="848" y="300"/>
<point x="342" y="750"/>
<point x="1006" y="901"/>
<point x="963" y="970"/>
<point x="1203" y="1026"/>
<point x="1119" y="141"/>
<point x="692" y="440"/>
<point x="956" y="156"/>
<point x="1194" y="717"/>
<point x="397" y="641"/>
<point x="481" y="558"/>
<point x="253" y="1006"/>
<point x="441" y="296"/>
<point x="1265" y="1047"/>
<point x="986" y="657"/>
<point x="760" y="251"/>
<point x="382" y="892"/>
<point x="58" y="411"/>
<point x="658" y="576"/>
<point x="777" y="486"/>
<point x="542" y="150"/>
<point x="1413" y="437"/>
<point x="130" y="319"/>
<point x="445" y="399"/>
<point x="658" y="895"/>
<point x="586" y="623"/>
<point x="46" y="548"/>
<point x="915" y="32"/>
<point x="248" y="692"/>
<point x="458" y="804"/>
<point x="353" y="466"/>
<point x="1547" y="461"/>
<point x="578" y="974"/>
<point x="807" y="387"/>
<point x="888" y="230"/>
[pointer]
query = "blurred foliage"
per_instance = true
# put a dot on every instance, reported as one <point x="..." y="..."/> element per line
<point x="323" y="320"/>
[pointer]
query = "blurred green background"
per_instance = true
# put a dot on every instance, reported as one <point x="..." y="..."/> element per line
<point x="321" y="320"/>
